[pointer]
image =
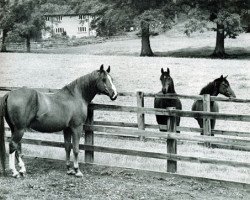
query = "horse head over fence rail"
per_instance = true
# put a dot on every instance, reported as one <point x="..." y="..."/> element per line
<point x="138" y="130"/>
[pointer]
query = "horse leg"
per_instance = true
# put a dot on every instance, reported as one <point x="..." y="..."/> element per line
<point x="214" y="108"/>
<point x="22" y="170"/>
<point x="178" y="120"/>
<point x="67" y="141"/>
<point x="13" y="153"/>
<point x="76" y="139"/>
<point x="212" y="125"/>
<point x="200" y="122"/>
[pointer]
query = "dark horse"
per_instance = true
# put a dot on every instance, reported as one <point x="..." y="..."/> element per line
<point x="218" y="86"/>
<point x="167" y="87"/>
<point x="65" y="110"/>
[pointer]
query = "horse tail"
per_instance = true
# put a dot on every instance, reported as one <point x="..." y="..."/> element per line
<point x="2" y="132"/>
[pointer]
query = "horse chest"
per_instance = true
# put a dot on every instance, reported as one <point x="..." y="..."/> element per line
<point x="165" y="103"/>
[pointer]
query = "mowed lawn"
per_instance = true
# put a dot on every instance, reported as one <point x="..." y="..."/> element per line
<point x="173" y="43"/>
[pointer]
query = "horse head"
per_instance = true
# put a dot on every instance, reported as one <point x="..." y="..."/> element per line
<point x="166" y="80"/>
<point x="224" y="87"/>
<point x="105" y="83"/>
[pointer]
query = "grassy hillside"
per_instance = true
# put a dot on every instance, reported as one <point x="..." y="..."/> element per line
<point x="173" y="43"/>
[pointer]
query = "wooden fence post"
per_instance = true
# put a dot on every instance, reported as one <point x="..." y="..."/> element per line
<point x="89" y="137"/>
<point x="172" y="144"/>
<point x="140" y="116"/>
<point x="206" y="121"/>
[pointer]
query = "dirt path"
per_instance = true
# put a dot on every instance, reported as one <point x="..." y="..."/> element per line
<point x="46" y="179"/>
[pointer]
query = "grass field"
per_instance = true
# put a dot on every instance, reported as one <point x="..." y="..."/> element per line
<point x="53" y="68"/>
<point x="173" y="43"/>
<point x="134" y="74"/>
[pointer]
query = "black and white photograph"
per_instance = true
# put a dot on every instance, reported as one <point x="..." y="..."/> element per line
<point x="125" y="99"/>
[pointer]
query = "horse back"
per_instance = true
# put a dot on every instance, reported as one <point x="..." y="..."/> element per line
<point x="198" y="106"/>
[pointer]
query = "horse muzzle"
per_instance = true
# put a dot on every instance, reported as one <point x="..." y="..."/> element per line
<point x="114" y="96"/>
<point x="165" y="88"/>
<point x="230" y="93"/>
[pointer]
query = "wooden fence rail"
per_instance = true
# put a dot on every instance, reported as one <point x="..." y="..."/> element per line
<point x="168" y="132"/>
<point x="167" y="112"/>
<point x="129" y="152"/>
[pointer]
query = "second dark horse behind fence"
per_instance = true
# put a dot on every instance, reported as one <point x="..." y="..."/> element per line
<point x="218" y="86"/>
<point x="65" y="110"/>
<point x="167" y="87"/>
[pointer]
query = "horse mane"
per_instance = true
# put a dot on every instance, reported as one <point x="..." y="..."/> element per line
<point x="210" y="88"/>
<point x="82" y="83"/>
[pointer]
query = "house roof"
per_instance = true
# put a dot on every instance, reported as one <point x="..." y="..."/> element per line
<point x="65" y="10"/>
<point x="58" y="14"/>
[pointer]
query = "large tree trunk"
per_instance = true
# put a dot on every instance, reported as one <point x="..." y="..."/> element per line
<point x="219" y="50"/>
<point x="3" y="47"/>
<point x="145" y="43"/>
<point x="28" y="43"/>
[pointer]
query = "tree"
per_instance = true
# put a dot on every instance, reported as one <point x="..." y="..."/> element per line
<point x="224" y="15"/>
<point x="115" y="16"/>
<point x="22" y="17"/>
<point x="29" y="20"/>
<point x="7" y="19"/>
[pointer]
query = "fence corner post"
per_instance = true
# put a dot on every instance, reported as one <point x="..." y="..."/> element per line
<point x="171" y="143"/>
<point x="89" y="136"/>
<point x="140" y="116"/>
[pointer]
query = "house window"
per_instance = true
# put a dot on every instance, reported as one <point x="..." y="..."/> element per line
<point x="59" y="18"/>
<point x="47" y="18"/>
<point x="82" y="29"/>
<point x="59" y="30"/>
<point x="81" y="17"/>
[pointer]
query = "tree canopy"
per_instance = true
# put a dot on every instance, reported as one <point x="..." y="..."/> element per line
<point x="113" y="17"/>
<point x="117" y="16"/>
<point x="222" y="16"/>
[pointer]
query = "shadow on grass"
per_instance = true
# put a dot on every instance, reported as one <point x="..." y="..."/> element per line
<point x="206" y="52"/>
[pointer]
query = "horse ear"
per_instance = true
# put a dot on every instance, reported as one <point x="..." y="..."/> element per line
<point x="221" y="77"/>
<point x="225" y="76"/>
<point x="108" y="70"/>
<point x="168" y="71"/>
<point x="101" y="68"/>
<point x="162" y="70"/>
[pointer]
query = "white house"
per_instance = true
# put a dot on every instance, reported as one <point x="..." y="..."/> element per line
<point x="73" y="25"/>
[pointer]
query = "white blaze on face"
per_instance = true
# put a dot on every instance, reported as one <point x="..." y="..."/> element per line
<point x="112" y="86"/>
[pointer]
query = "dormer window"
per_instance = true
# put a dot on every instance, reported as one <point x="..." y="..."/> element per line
<point x="59" y="18"/>
<point x="81" y="17"/>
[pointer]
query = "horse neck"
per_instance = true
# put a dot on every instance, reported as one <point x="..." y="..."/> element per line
<point x="209" y="89"/>
<point x="171" y="89"/>
<point x="84" y="86"/>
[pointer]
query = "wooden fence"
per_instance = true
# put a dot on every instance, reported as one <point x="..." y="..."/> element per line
<point x="139" y="130"/>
